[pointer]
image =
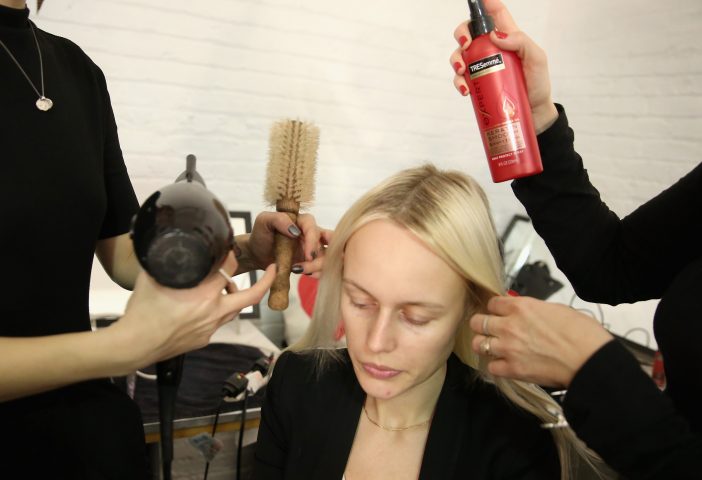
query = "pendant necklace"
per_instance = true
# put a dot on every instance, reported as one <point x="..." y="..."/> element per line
<point x="43" y="103"/>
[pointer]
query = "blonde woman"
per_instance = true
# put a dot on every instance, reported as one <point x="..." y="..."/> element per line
<point x="408" y="266"/>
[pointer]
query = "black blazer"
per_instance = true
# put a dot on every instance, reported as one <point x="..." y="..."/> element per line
<point x="308" y="424"/>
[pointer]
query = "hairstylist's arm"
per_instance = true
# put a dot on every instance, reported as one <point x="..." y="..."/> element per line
<point x="158" y="323"/>
<point x="536" y="341"/>
<point x="534" y="61"/>
<point x="116" y="254"/>
<point x="117" y="257"/>
<point x="611" y="404"/>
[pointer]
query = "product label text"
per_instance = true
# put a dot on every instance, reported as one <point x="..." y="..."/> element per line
<point x="486" y="65"/>
<point x="504" y="139"/>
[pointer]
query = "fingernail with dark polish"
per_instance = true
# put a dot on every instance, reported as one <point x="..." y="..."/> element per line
<point x="501" y="34"/>
<point x="462" y="40"/>
<point x="308" y="273"/>
<point x="297" y="269"/>
<point x="294" y="231"/>
<point x="314" y="254"/>
<point x="463" y="90"/>
<point x="456" y="66"/>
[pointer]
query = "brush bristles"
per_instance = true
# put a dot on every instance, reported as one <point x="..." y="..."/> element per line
<point x="292" y="162"/>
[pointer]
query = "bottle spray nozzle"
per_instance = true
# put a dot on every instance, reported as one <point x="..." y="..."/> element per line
<point x="480" y="21"/>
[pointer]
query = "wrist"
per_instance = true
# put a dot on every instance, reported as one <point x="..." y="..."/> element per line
<point x="129" y="350"/>
<point x="584" y="350"/>
<point x="544" y="116"/>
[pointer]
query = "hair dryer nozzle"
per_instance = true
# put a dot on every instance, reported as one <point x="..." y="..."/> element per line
<point x="182" y="233"/>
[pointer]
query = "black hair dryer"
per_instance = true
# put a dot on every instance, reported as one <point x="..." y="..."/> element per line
<point x="181" y="234"/>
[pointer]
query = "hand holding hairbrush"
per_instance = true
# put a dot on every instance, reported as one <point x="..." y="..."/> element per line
<point x="292" y="163"/>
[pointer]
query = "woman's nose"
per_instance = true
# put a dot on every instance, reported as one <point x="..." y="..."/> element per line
<point x="381" y="336"/>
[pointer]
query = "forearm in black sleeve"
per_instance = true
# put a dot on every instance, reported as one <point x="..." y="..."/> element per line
<point x="617" y="410"/>
<point x="607" y="259"/>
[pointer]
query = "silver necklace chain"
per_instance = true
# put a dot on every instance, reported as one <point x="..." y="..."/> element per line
<point x="43" y="103"/>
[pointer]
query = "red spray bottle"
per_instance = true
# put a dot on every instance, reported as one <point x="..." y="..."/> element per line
<point x="498" y="90"/>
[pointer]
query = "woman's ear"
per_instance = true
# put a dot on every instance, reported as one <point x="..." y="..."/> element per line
<point x="340" y="331"/>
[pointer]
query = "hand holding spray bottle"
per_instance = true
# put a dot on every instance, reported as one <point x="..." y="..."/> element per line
<point x="500" y="100"/>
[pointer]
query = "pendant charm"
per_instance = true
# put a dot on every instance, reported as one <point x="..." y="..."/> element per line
<point x="44" y="103"/>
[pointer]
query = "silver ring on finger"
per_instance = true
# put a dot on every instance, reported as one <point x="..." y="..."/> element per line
<point x="485" y="347"/>
<point x="226" y="276"/>
<point x="486" y="319"/>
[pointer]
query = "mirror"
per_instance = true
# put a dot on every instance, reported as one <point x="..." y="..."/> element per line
<point x="518" y="247"/>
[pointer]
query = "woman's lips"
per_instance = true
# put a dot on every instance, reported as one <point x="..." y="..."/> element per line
<point x="379" y="371"/>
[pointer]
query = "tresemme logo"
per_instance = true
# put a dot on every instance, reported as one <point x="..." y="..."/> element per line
<point x="486" y="65"/>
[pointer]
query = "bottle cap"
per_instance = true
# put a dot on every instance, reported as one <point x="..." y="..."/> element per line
<point x="480" y="22"/>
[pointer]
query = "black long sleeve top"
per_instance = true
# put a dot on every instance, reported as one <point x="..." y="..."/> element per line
<point x="615" y="408"/>
<point x="652" y="253"/>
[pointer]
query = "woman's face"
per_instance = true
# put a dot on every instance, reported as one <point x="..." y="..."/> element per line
<point x="401" y="305"/>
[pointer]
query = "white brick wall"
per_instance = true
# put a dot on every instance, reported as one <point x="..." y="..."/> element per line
<point x="209" y="78"/>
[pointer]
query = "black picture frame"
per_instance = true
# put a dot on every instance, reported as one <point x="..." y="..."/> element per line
<point x="241" y="223"/>
<point x="514" y="221"/>
<point x="515" y="245"/>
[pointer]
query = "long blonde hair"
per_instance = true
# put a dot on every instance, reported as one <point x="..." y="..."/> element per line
<point x="449" y="212"/>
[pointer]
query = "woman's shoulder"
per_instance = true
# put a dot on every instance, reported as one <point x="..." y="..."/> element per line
<point x="72" y="54"/>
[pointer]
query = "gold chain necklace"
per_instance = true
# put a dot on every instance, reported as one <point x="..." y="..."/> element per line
<point x="43" y="103"/>
<point x="394" y="429"/>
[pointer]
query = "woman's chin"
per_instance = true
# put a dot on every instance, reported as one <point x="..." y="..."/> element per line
<point x="382" y="389"/>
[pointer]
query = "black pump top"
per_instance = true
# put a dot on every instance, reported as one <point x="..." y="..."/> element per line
<point x="190" y="173"/>
<point x="480" y="22"/>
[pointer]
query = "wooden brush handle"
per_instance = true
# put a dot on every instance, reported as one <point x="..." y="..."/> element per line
<point x="284" y="249"/>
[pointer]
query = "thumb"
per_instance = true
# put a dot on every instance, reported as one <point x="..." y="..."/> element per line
<point x="516" y="41"/>
<point x="512" y="42"/>
<point x="519" y="42"/>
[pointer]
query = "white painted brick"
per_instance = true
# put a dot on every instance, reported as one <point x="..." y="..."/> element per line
<point x="210" y="79"/>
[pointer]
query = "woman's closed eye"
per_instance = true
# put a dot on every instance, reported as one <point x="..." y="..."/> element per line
<point x="368" y="305"/>
<point x="361" y="304"/>
<point x="413" y="319"/>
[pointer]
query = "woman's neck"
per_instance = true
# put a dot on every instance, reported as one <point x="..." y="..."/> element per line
<point x="19" y="4"/>
<point x="409" y="408"/>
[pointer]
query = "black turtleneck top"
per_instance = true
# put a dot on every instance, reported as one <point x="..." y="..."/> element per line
<point x="64" y="182"/>
<point x="64" y="186"/>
